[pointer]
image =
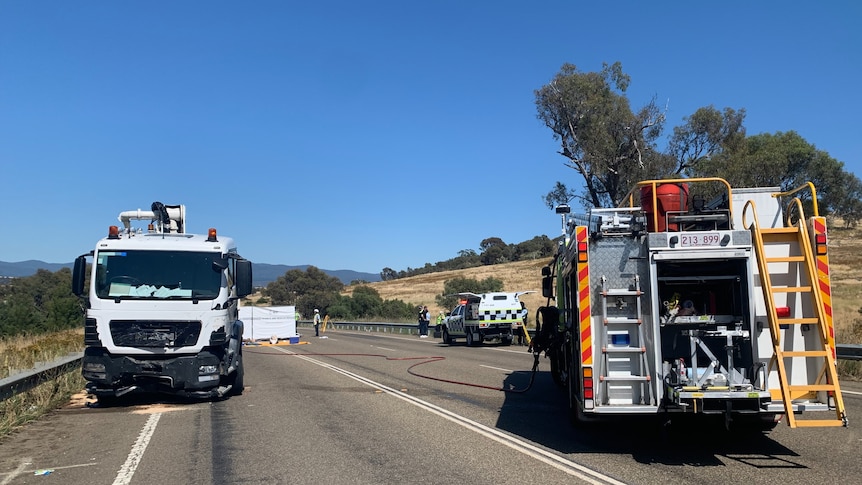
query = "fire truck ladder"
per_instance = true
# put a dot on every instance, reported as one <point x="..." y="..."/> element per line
<point x="618" y="341"/>
<point x="809" y="299"/>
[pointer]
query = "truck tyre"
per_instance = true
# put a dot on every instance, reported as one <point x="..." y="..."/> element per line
<point x="447" y="339"/>
<point x="238" y="379"/>
<point x="470" y="341"/>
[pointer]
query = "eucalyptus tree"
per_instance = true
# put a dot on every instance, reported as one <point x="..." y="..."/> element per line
<point x="704" y="135"/>
<point x="610" y="146"/>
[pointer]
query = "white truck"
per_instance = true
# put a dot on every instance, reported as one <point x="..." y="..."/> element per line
<point x="489" y="316"/>
<point x="162" y="309"/>
<point x="714" y="302"/>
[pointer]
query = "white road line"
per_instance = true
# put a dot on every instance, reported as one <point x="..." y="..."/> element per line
<point x="22" y="467"/>
<point x="387" y="349"/>
<point x="496" y="368"/>
<point x="522" y="351"/>
<point x="18" y="470"/>
<point x="851" y="392"/>
<point x="124" y="476"/>
<point x="563" y="464"/>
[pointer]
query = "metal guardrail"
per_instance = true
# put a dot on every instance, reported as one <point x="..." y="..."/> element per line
<point x="24" y="381"/>
<point x="399" y="328"/>
<point x="27" y="380"/>
<point x="849" y="351"/>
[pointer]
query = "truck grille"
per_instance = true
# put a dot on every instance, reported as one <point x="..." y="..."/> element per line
<point x="145" y="333"/>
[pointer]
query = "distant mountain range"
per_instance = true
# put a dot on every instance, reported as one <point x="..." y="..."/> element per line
<point x="263" y="273"/>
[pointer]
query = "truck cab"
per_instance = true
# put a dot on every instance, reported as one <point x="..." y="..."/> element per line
<point x="486" y="317"/>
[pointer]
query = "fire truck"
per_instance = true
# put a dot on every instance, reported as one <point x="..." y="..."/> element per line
<point x="694" y="298"/>
<point x="162" y="308"/>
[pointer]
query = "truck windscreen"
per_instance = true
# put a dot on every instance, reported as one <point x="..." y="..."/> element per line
<point x="158" y="275"/>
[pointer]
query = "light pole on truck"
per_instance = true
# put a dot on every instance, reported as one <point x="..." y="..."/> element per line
<point x="563" y="210"/>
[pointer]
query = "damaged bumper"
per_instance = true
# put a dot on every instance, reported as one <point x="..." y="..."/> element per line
<point x="190" y="375"/>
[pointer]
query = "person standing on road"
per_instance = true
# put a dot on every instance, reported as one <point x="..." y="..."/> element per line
<point x="439" y="327"/>
<point x="316" y="322"/>
<point x="424" y="318"/>
<point x="523" y="332"/>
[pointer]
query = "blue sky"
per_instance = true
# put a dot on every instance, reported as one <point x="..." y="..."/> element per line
<point x="363" y="135"/>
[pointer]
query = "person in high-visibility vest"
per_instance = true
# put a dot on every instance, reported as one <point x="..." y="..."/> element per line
<point x="523" y="332"/>
<point x="440" y="317"/>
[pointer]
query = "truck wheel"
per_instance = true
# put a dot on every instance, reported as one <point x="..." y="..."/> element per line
<point x="470" y="341"/>
<point x="447" y="339"/>
<point x="238" y="379"/>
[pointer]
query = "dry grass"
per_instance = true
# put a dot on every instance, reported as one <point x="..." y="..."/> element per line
<point x="22" y="353"/>
<point x="845" y="262"/>
<point x="30" y="405"/>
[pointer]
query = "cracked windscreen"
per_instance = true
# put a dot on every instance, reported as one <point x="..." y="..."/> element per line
<point x="158" y="274"/>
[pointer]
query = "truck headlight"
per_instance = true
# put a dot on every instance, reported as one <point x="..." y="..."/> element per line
<point x="93" y="367"/>
<point x="207" y="369"/>
<point x="94" y="371"/>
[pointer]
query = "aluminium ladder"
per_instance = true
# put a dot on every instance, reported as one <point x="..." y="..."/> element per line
<point x="629" y="324"/>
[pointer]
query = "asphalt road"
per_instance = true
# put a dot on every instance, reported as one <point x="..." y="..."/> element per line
<point x="370" y="408"/>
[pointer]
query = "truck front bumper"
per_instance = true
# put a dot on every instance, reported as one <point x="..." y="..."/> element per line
<point x="189" y="375"/>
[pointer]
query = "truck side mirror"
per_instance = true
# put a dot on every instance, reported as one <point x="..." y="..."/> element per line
<point x="243" y="278"/>
<point x="79" y="274"/>
<point x="548" y="286"/>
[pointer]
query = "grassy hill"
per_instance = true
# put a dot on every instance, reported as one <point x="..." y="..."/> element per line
<point x="421" y="290"/>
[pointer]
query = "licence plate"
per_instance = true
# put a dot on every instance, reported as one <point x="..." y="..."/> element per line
<point x="699" y="239"/>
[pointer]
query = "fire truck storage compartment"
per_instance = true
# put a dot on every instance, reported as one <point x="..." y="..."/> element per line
<point x="669" y="198"/>
<point x="706" y="300"/>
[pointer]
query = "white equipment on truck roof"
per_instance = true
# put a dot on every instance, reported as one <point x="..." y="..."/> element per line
<point x="715" y="302"/>
<point x="162" y="308"/>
